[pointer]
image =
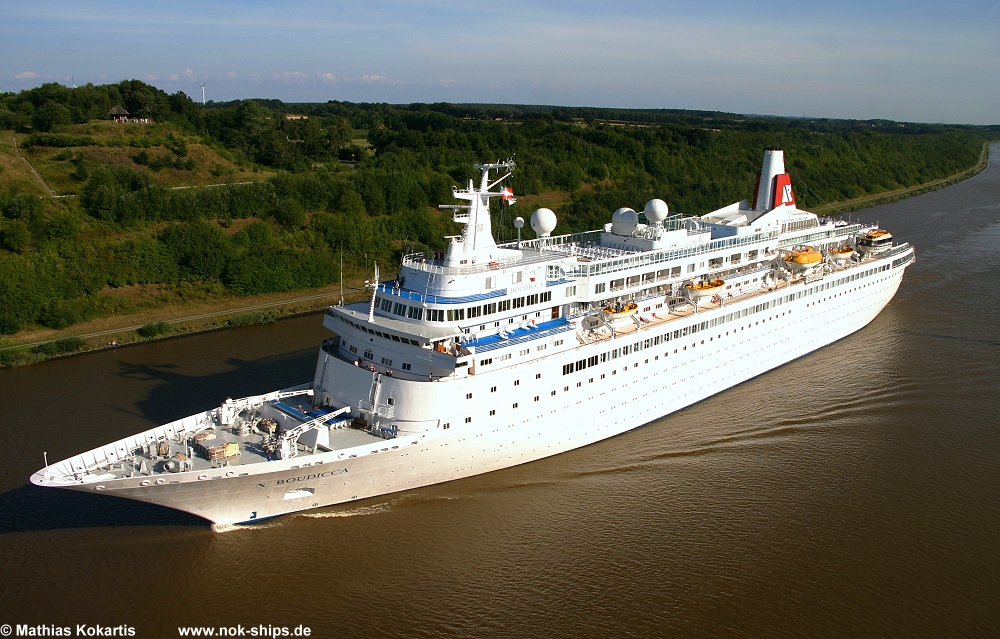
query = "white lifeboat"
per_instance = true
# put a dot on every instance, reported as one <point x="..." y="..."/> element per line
<point x="875" y="241"/>
<point x="701" y="290"/>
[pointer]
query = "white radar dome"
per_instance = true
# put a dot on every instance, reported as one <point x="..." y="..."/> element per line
<point x="624" y="221"/>
<point x="518" y="222"/>
<point x="656" y="211"/>
<point x="543" y="221"/>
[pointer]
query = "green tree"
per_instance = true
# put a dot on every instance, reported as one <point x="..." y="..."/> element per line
<point x="201" y="249"/>
<point x="51" y="116"/>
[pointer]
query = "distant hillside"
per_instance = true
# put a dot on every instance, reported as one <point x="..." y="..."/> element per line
<point x="65" y="159"/>
<point x="306" y="184"/>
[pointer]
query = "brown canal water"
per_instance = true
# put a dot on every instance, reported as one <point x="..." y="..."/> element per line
<point x="854" y="492"/>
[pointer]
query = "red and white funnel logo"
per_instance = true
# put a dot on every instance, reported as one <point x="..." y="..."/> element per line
<point x="783" y="190"/>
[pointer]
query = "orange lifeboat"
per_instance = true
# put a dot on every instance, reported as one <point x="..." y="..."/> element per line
<point x="613" y="311"/>
<point x="805" y="257"/>
<point x="802" y="260"/>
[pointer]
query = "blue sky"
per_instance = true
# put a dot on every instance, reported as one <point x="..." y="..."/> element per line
<point x="916" y="61"/>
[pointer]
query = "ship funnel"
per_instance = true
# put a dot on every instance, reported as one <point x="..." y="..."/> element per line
<point x="774" y="188"/>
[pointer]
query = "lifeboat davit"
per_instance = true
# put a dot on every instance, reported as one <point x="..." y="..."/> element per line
<point x="699" y="290"/>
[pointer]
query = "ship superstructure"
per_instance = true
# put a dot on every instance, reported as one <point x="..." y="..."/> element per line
<point x="487" y="355"/>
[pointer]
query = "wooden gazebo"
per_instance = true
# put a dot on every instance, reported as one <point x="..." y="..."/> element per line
<point x="118" y="114"/>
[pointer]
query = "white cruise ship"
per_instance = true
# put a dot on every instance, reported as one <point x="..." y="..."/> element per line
<point x="484" y="356"/>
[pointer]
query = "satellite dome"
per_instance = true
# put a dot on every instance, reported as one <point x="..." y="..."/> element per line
<point x="624" y="221"/>
<point x="656" y="211"/>
<point x="543" y="221"/>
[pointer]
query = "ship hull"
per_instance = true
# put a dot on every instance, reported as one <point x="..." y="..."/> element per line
<point x="568" y="412"/>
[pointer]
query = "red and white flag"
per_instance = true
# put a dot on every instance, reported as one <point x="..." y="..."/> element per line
<point x="507" y="194"/>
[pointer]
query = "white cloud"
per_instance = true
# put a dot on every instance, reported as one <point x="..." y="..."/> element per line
<point x="374" y="79"/>
<point x="291" y="76"/>
<point x="327" y="78"/>
<point x="25" y="75"/>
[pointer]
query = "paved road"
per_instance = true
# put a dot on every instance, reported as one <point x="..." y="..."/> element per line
<point x="201" y="316"/>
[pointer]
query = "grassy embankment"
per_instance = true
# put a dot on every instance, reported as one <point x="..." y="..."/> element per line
<point x="898" y="194"/>
<point x="110" y="143"/>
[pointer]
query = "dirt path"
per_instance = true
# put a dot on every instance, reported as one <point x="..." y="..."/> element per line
<point x="32" y="169"/>
<point x="191" y="318"/>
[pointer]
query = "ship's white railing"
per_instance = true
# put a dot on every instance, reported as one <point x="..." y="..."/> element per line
<point x="125" y="449"/>
<point x="827" y="232"/>
<point x="636" y="260"/>
<point x="421" y="262"/>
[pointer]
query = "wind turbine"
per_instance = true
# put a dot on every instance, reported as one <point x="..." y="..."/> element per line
<point x="202" y="95"/>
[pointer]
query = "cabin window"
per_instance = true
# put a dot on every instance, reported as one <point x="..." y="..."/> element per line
<point x="547" y="296"/>
<point x="600" y="288"/>
<point x="491" y="282"/>
<point x="405" y="366"/>
<point x="386" y="362"/>
<point x="415" y="312"/>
